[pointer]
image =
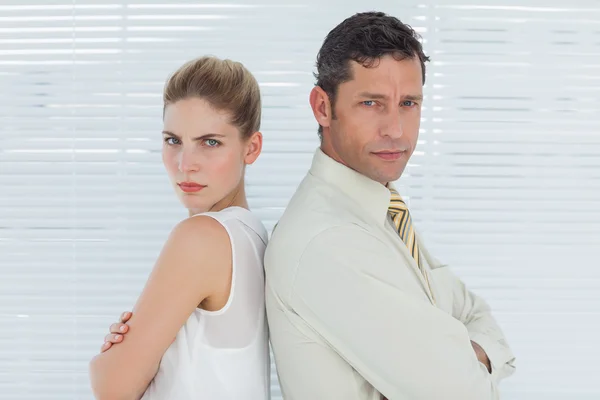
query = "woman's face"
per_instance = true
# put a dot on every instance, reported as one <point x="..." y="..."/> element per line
<point x="204" y="154"/>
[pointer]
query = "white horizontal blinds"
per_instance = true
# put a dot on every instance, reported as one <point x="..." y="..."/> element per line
<point x="510" y="177"/>
<point x="502" y="185"/>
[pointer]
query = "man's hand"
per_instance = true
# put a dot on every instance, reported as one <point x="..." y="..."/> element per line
<point x="117" y="332"/>
<point x="482" y="356"/>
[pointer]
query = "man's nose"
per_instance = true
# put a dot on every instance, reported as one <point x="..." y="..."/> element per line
<point x="393" y="125"/>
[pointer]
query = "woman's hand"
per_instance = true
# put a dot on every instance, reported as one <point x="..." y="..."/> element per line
<point x="117" y="332"/>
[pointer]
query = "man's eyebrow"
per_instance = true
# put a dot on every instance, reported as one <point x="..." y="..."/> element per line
<point x="380" y="96"/>
<point x="372" y="95"/>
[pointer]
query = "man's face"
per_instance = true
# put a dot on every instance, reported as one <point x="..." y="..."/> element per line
<point x="377" y="121"/>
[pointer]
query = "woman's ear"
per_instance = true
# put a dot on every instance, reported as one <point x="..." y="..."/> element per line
<point x="253" y="147"/>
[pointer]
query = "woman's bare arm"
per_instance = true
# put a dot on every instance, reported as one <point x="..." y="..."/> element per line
<point x="195" y="259"/>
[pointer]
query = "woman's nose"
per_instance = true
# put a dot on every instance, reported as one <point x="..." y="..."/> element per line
<point x="188" y="162"/>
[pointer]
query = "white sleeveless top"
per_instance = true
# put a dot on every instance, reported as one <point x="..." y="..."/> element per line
<point x="224" y="355"/>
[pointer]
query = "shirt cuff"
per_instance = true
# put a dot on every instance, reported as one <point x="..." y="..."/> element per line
<point x="499" y="354"/>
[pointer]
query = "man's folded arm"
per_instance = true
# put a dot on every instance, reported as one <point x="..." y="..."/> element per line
<point x="349" y="291"/>
<point x="483" y="329"/>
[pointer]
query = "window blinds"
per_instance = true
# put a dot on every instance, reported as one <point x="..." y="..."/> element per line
<point x="504" y="185"/>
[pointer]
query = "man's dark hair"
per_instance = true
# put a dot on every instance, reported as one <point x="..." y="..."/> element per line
<point x="364" y="38"/>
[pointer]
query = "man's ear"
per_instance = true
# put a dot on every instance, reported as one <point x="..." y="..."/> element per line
<point x="321" y="106"/>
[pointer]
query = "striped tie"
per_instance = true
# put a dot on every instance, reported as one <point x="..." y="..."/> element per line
<point x="403" y="223"/>
<point x="398" y="210"/>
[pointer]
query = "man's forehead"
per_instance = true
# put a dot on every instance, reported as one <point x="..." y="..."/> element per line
<point x="387" y="76"/>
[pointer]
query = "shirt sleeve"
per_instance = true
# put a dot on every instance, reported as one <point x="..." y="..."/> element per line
<point x="483" y="329"/>
<point x="351" y="291"/>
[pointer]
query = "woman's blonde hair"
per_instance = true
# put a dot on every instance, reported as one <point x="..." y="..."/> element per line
<point x="227" y="85"/>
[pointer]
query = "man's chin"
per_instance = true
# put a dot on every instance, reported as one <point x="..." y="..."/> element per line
<point x="392" y="176"/>
<point x="384" y="178"/>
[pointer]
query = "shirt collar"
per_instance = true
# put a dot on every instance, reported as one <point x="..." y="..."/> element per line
<point x="372" y="197"/>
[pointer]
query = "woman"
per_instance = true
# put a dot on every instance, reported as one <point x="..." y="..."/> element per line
<point x="198" y="329"/>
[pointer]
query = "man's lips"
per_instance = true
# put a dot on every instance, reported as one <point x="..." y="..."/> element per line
<point x="390" y="155"/>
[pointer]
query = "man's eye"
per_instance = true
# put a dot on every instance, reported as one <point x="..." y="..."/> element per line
<point x="212" y="142"/>
<point x="369" y="103"/>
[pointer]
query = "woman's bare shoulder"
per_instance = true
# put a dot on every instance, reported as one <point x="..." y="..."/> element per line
<point x="205" y="244"/>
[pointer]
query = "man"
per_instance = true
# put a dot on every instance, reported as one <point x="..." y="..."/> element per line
<point x="357" y="307"/>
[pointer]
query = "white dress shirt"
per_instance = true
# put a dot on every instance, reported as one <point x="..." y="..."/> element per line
<point x="351" y="316"/>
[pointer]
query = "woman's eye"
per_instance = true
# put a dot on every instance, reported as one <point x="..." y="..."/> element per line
<point x="172" y="141"/>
